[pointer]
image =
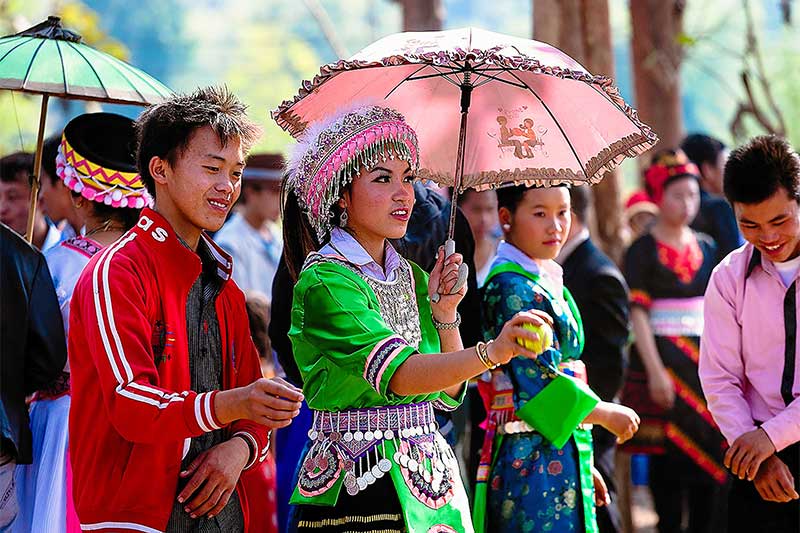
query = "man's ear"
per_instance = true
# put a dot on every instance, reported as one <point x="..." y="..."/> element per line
<point x="158" y="169"/>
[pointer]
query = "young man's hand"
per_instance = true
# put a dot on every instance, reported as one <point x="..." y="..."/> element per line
<point x="747" y="452"/>
<point x="774" y="481"/>
<point x="215" y="473"/>
<point x="271" y="402"/>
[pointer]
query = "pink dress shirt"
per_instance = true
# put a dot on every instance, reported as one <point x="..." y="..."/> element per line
<point x="747" y="369"/>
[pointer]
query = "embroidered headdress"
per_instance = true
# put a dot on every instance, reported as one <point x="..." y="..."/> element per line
<point x="332" y="152"/>
<point x="95" y="159"/>
<point x="639" y="202"/>
<point x="668" y="165"/>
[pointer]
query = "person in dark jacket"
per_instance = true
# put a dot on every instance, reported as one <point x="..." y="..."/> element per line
<point x="601" y="294"/>
<point x="715" y="217"/>
<point x="33" y="351"/>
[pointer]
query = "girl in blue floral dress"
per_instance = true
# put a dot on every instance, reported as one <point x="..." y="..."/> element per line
<point x="532" y="484"/>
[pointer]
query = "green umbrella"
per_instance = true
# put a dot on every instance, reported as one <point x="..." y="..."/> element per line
<point x="50" y="60"/>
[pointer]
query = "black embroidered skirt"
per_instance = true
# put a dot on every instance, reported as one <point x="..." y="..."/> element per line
<point x="376" y="509"/>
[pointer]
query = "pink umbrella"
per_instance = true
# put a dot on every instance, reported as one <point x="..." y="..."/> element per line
<point x="525" y="111"/>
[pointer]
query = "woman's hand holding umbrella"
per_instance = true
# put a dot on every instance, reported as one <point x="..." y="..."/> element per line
<point x="443" y="286"/>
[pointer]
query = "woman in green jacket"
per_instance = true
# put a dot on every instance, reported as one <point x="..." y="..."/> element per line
<point x="376" y="353"/>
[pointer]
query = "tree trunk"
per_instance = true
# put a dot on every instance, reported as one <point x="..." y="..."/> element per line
<point x="657" y="57"/>
<point x="582" y="29"/>
<point x="422" y="15"/>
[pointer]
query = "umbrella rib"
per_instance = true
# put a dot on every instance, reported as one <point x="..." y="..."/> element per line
<point x="403" y="81"/>
<point x="105" y="58"/>
<point x="24" y="41"/>
<point x="497" y="78"/>
<point x="427" y="76"/>
<point x="63" y="68"/>
<point x="558" y="125"/>
<point x="139" y="74"/>
<point x="30" y="65"/>
<point x="446" y="76"/>
<point x="96" y="75"/>
<point x="117" y="67"/>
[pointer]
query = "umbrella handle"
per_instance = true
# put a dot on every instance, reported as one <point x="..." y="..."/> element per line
<point x="463" y="270"/>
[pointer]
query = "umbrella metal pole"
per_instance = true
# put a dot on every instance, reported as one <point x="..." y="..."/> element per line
<point x="37" y="169"/>
<point x="466" y="97"/>
<point x="450" y="243"/>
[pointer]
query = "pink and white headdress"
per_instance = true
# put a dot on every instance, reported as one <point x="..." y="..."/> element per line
<point x="333" y="151"/>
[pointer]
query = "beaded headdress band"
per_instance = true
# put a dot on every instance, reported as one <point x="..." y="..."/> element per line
<point x="332" y="152"/>
<point x="100" y="184"/>
<point x="658" y="176"/>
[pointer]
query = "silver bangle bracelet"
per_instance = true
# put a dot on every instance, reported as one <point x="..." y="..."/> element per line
<point x="447" y="325"/>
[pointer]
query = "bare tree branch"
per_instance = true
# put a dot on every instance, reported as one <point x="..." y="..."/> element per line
<point x="754" y="68"/>
<point x="328" y="30"/>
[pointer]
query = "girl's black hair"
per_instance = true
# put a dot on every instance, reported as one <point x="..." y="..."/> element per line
<point x="510" y="197"/>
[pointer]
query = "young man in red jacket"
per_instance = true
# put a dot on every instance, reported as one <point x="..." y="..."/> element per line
<point x="169" y="407"/>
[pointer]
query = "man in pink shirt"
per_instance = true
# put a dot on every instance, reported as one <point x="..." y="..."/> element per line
<point x="748" y="354"/>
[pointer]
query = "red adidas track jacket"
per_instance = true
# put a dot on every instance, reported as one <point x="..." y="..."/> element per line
<point x="132" y="409"/>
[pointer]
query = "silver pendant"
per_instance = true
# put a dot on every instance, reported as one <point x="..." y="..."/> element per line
<point x="385" y="465"/>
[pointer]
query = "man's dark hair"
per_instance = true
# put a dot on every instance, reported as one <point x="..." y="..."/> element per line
<point x="16" y="167"/>
<point x="165" y="130"/>
<point x="701" y="148"/>
<point x="49" y="154"/>
<point x="756" y="170"/>
<point x="581" y="200"/>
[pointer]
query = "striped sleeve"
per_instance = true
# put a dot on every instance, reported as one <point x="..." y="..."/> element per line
<point x="114" y="336"/>
<point x="339" y="320"/>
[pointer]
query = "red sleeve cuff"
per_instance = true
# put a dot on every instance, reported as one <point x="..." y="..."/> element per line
<point x="204" y="411"/>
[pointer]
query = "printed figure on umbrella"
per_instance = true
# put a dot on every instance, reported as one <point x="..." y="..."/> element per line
<point x="523" y="139"/>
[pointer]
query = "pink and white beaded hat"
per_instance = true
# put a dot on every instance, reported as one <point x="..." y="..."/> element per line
<point x="333" y="151"/>
<point x="96" y="159"/>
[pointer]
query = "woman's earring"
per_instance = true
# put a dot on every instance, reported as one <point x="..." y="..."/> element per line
<point x="506" y="227"/>
<point x="343" y="218"/>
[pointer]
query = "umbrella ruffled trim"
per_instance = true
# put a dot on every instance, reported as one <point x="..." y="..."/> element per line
<point x="608" y="159"/>
<point x="292" y="123"/>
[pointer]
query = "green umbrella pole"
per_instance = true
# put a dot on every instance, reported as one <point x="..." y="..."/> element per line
<point x="37" y="169"/>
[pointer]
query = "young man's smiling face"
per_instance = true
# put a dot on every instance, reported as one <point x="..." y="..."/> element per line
<point x="198" y="190"/>
<point x="772" y="226"/>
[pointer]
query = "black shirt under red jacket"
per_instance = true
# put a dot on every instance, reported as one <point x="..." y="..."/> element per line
<point x="133" y="411"/>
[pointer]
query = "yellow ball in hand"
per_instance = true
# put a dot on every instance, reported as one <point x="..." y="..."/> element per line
<point x="545" y="338"/>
